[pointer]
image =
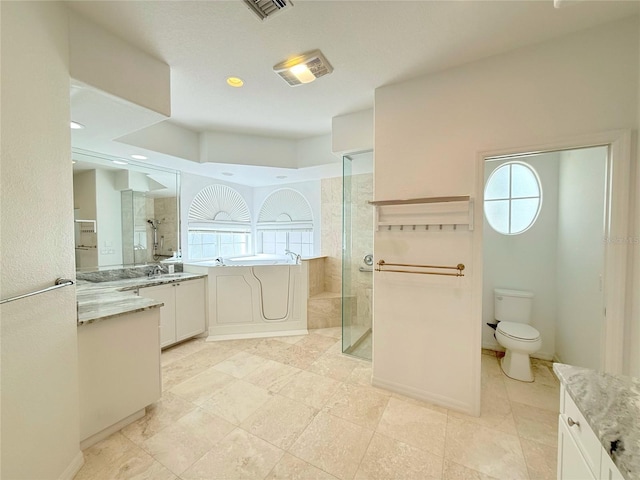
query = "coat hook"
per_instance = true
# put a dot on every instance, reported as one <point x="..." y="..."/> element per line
<point x="401" y="227"/>
<point x="389" y="228"/>
<point x="414" y="227"/>
<point x="440" y="226"/>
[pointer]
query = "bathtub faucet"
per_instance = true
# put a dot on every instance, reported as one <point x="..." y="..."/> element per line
<point x="219" y="261"/>
<point x="296" y="257"/>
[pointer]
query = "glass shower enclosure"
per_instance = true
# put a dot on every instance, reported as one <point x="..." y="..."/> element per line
<point x="357" y="254"/>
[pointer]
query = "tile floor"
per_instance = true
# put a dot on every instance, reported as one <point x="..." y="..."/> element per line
<point x="295" y="408"/>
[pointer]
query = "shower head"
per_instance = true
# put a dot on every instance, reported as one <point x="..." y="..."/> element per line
<point x="154" y="223"/>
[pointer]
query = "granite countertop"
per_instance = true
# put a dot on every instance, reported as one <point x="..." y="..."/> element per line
<point x="611" y="405"/>
<point x="99" y="301"/>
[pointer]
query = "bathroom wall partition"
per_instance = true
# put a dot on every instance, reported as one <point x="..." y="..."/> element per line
<point x="357" y="255"/>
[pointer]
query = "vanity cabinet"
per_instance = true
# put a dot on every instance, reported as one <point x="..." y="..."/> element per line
<point x="580" y="453"/>
<point x="183" y="313"/>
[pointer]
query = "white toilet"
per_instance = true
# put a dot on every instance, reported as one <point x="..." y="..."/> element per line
<point x="513" y="312"/>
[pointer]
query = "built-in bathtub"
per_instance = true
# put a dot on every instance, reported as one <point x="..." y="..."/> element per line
<point x="257" y="296"/>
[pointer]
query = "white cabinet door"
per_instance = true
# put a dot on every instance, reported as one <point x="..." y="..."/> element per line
<point x="190" y="311"/>
<point x="166" y="294"/>
<point x="608" y="469"/>
<point x="571" y="463"/>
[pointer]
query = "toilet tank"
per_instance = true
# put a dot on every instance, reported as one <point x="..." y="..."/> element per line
<point x="512" y="305"/>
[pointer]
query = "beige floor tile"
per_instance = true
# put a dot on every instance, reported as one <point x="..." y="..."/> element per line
<point x="269" y="348"/>
<point x="158" y="416"/>
<point x="178" y="446"/>
<point x="491" y="353"/>
<point x="240" y="365"/>
<point x="292" y="468"/>
<point x="310" y="388"/>
<point x="317" y="343"/>
<point x="237" y="401"/>
<point x="388" y="459"/>
<point x="279" y="421"/>
<point x="488" y="451"/>
<point x="179" y="371"/>
<point x="239" y="344"/>
<point x="360" y="405"/>
<point x="495" y="408"/>
<point x="272" y="375"/>
<point x="333" y="332"/>
<point x="455" y="471"/>
<point x="118" y="458"/>
<point x="338" y="367"/>
<point x="415" y="425"/>
<point x="291" y="339"/>
<point x="536" y="424"/>
<point x="200" y="388"/>
<point x="336" y="349"/>
<point x="212" y="354"/>
<point x="534" y="394"/>
<point x="541" y="460"/>
<point x="298" y="357"/>
<point x="419" y="403"/>
<point x="239" y="455"/>
<point x="543" y="373"/>
<point x="333" y="445"/>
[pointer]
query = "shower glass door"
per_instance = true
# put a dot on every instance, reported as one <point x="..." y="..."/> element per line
<point x="357" y="254"/>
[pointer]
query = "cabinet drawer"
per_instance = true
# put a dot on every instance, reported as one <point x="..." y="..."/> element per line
<point x="581" y="432"/>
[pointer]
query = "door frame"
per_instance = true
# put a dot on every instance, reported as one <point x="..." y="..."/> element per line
<point x="616" y="226"/>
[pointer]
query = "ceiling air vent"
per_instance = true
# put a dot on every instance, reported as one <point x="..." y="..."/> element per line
<point x="304" y="68"/>
<point x="268" y="8"/>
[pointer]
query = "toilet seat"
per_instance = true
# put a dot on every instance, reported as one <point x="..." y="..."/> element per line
<point x="519" y="331"/>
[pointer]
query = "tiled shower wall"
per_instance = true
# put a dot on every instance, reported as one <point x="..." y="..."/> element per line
<point x="166" y="211"/>
<point x="362" y="239"/>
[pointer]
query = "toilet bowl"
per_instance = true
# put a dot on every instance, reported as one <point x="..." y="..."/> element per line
<point x="520" y="341"/>
<point x="513" y="313"/>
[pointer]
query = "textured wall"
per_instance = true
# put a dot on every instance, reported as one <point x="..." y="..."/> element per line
<point x="39" y="334"/>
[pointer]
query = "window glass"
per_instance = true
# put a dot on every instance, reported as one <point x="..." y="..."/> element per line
<point x="513" y="198"/>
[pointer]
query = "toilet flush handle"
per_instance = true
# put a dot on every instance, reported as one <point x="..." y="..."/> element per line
<point x="572" y="422"/>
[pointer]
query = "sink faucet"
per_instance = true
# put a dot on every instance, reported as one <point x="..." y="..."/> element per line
<point x="294" y="256"/>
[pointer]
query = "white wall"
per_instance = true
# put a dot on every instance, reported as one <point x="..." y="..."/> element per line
<point x="310" y="190"/>
<point x="526" y="261"/>
<point x="579" y="324"/>
<point x="632" y="333"/>
<point x="109" y="218"/>
<point x="352" y="132"/>
<point x="428" y="136"/>
<point x="95" y="54"/>
<point x="39" y="334"/>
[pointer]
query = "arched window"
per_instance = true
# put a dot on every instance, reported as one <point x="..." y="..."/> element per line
<point x="512" y="198"/>
<point x="219" y="224"/>
<point x="285" y="222"/>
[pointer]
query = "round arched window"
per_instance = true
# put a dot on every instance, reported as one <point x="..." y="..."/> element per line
<point x="512" y="198"/>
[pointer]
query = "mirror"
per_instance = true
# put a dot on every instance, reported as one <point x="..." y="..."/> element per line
<point x="126" y="213"/>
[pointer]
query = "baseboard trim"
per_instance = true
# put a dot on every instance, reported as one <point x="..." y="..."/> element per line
<point x="243" y="336"/>
<point x="435" y="399"/>
<point x="102" y="434"/>
<point x="74" y="467"/>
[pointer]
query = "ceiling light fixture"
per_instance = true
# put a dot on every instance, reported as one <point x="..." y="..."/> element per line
<point x="235" y="82"/>
<point x="304" y="68"/>
<point x="139" y="157"/>
<point x="120" y="162"/>
<point x="76" y="125"/>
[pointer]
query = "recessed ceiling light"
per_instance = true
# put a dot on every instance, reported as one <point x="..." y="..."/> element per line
<point x="76" y="125"/>
<point x="280" y="177"/>
<point x="120" y="162"/>
<point x="227" y="174"/>
<point x="235" y="82"/>
<point x="139" y="157"/>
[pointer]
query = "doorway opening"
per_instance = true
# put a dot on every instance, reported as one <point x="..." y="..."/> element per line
<point x="610" y="283"/>
<point x="544" y="230"/>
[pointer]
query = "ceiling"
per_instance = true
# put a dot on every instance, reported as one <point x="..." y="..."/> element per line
<point x="369" y="44"/>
